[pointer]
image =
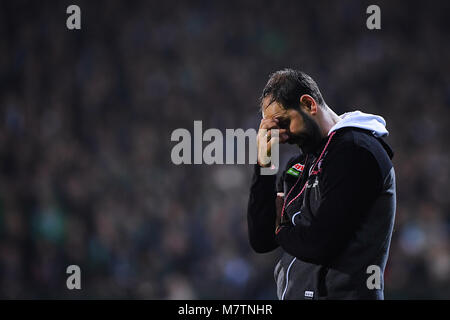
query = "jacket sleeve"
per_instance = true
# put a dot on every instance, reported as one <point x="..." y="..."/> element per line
<point x="261" y="212"/>
<point x="350" y="182"/>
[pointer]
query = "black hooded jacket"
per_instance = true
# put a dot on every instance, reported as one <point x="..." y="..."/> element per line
<point x="336" y="232"/>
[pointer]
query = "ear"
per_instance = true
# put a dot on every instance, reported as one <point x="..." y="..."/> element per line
<point x="308" y="104"/>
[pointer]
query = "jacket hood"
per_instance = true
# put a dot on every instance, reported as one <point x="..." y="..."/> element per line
<point x="357" y="119"/>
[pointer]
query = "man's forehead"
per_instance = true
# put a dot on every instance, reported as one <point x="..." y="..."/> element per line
<point x="271" y="108"/>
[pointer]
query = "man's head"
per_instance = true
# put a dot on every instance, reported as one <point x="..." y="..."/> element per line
<point x="294" y="99"/>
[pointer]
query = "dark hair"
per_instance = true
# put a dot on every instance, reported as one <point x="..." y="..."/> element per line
<point x="288" y="85"/>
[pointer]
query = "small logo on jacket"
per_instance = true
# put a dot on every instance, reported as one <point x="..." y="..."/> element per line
<point x="309" y="294"/>
<point x="296" y="169"/>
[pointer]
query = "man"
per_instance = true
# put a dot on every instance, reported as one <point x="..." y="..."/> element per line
<point x="334" y="212"/>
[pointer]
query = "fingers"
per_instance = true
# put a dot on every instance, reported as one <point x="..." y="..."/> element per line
<point x="268" y="123"/>
<point x="271" y="143"/>
<point x="264" y="154"/>
<point x="267" y="138"/>
<point x="282" y="134"/>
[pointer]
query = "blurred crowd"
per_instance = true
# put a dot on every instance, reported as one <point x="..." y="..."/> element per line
<point x="86" y="118"/>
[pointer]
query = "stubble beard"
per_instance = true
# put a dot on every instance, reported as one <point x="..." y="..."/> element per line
<point x="310" y="138"/>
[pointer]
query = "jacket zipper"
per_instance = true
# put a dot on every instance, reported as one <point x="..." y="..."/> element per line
<point x="287" y="279"/>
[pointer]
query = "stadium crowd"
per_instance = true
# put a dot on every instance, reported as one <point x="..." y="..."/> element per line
<point x="86" y="176"/>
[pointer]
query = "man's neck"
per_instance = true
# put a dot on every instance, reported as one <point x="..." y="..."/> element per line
<point x="327" y="120"/>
